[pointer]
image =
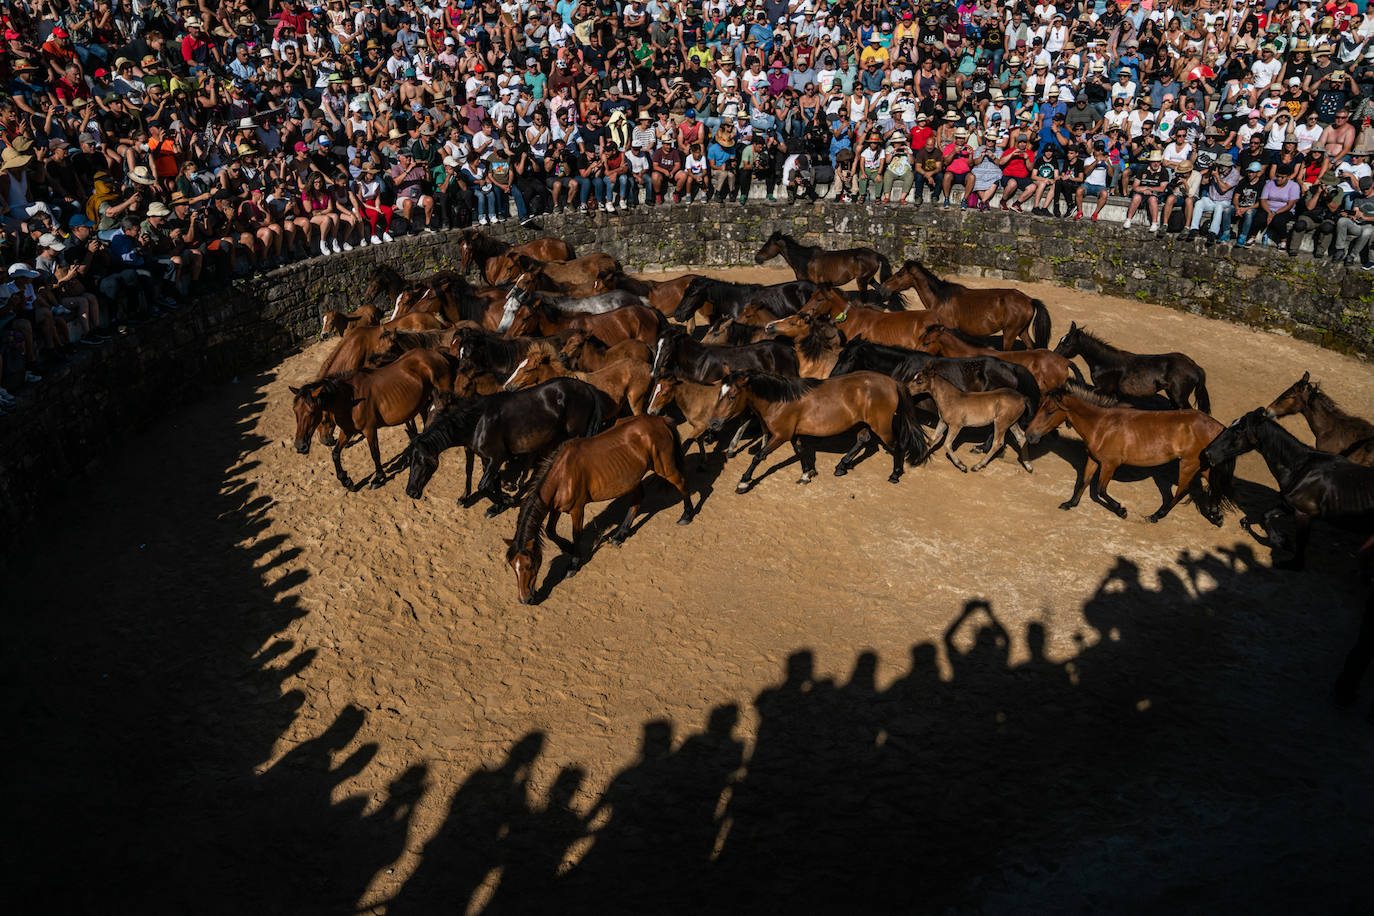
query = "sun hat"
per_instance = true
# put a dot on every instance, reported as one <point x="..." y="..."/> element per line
<point x="960" y="133"/>
<point x="1226" y="161"/>
<point x="244" y="149"/>
<point x="245" y="123"/>
<point x="179" y="198"/>
<point x="140" y="175"/>
<point x="158" y="208"/>
<point x="20" y="269"/>
<point x="48" y="240"/>
<point x="1155" y="156"/>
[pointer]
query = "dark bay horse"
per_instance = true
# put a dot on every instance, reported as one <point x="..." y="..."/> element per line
<point x="1313" y="484"/>
<point x="1115" y="435"/>
<point x="496" y="352"/>
<point x="592" y="470"/>
<point x="973" y="373"/>
<point x="979" y="312"/>
<point x="793" y="408"/>
<point x="502" y="427"/>
<point x="678" y="353"/>
<point x="1120" y="372"/>
<point x="1049" y="368"/>
<point x="722" y="299"/>
<point x="829" y="268"/>
<point x="365" y="400"/>
<point x="631" y="322"/>
<point x="663" y="295"/>
<point x="476" y="247"/>
<point x="1335" y="430"/>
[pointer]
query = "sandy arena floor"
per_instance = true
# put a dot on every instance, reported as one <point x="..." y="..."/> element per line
<point x="255" y="692"/>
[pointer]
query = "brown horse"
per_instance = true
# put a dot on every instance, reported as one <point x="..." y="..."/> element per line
<point x="475" y="246"/>
<point x="392" y="345"/>
<point x="817" y="341"/>
<point x="790" y="408"/>
<point x="626" y="383"/>
<point x="586" y="353"/>
<point x="1335" y="430"/>
<point x="1049" y="368"/>
<point x="978" y="312"/>
<point x="364" y="400"/>
<point x="571" y="278"/>
<point x="1000" y="408"/>
<point x="336" y="322"/>
<point x="749" y="327"/>
<point x="632" y="322"/>
<point x="893" y="329"/>
<point x="1115" y="435"/>
<point x="696" y="400"/>
<point x="596" y="469"/>
<point x="831" y="268"/>
<point x="663" y="295"/>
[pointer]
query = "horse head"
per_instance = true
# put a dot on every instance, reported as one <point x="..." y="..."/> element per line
<point x="525" y="558"/>
<point x="1240" y="437"/>
<point x="1048" y="417"/>
<point x="771" y="248"/>
<point x="332" y="321"/>
<point x="383" y="280"/>
<point x="467" y="240"/>
<point x="308" y="406"/>
<point x="1068" y="344"/>
<point x="932" y="340"/>
<point x="424" y="461"/>
<point x="1294" y="398"/>
<point x="902" y="279"/>
<point x="387" y="349"/>
<point x="536" y="358"/>
<point x="921" y="381"/>
<point x="665" y="351"/>
<point x="693" y="298"/>
<point x="664" y="393"/>
<point x="731" y="400"/>
<point x="793" y="326"/>
<point x="517" y="298"/>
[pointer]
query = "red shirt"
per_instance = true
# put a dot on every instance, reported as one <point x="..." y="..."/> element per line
<point x="1017" y="166"/>
<point x="918" y="137"/>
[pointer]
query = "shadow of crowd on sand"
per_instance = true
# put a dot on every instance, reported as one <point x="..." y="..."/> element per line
<point x="1165" y="764"/>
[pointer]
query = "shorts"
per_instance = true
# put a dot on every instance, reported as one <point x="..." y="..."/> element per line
<point x="1015" y="183"/>
<point x="1093" y="189"/>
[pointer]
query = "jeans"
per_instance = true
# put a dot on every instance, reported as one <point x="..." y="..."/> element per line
<point x="623" y="183"/>
<point x="1352" y="238"/>
<point x="1256" y="219"/>
<point x="584" y="189"/>
<point x="522" y="209"/>
<point x="1221" y="214"/>
<point x="486" y="202"/>
<point x="602" y="185"/>
<point x="645" y="184"/>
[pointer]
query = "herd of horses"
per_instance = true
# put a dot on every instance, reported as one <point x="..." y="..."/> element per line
<point x="572" y="380"/>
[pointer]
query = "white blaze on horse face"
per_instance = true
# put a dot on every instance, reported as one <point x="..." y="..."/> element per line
<point x="653" y="396"/>
<point x="397" y="307"/>
<point x="523" y="363"/>
<point x="724" y="392"/>
<point x="658" y="353"/>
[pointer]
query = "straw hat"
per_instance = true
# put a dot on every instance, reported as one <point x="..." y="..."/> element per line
<point x="960" y="133"/>
<point x="140" y="175"/>
<point x="158" y="208"/>
<point x="245" y="150"/>
<point x="178" y="198"/>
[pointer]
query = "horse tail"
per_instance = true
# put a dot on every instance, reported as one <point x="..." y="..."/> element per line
<point x="1204" y="402"/>
<point x="1040" y="325"/>
<point x="595" y="420"/>
<point x="906" y="430"/>
<point x="884" y="268"/>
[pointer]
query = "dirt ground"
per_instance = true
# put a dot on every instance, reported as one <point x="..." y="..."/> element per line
<point x="247" y="689"/>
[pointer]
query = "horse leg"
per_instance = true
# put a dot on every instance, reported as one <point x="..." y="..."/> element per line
<point x="339" y="471"/>
<point x="1087" y="472"/>
<point x="745" y="481"/>
<point x="1270" y="537"/>
<point x="666" y="467"/>
<point x="576" y="514"/>
<point x="1356" y="663"/>
<point x="379" y="475"/>
<point x="847" y="462"/>
<point x="734" y="446"/>
<point x="623" y="531"/>
<point x="999" y="438"/>
<point x="807" y="454"/>
<point x="1018" y="438"/>
<point x="1187" y="470"/>
<point x="1104" y="477"/>
<point x="949" y="448"/>
<point x="1303" y="521"/>
<point x="551" y="530"/>
<point x="467" y="485"/>
<point x="490" y="475"/>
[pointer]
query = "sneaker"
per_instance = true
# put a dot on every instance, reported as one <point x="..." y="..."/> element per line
<point x="334" y="244"/>
<point x="1016" y="205"/>
<point x="31" y="378"/>
<point x="6" y="397"/>
<point x="324" y="247"/>
<point x="1369" y="266"/>
<point x="772" y="199"/>
<point x="428" y="229"/>
<point x="1127" y="224"/>
<point x="362" y="241"/>
<point x="1240" y="242"/>
<point x="625" y="206"/>
<point x="376" y="240"/>
<point x="386" y="237"/>
<point x="1077" y="215"/>
<point x="347" y="247"/>
<point x="1154" y="227"/>
<point x="1004" y="205"/>
<point x="945" y="203"/>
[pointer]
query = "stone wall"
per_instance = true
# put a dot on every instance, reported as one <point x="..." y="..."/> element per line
<point x="85" y="410"/>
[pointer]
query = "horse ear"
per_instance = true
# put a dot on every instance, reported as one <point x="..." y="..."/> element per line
<point x="1306" y="376"/>
<point x="509" y="542"/>
<point x="1073" y="326"/>
<point x="295" y="391"/>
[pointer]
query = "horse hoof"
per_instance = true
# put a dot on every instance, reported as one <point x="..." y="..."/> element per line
<point x="1153" y="517"/>
<point x="377" y="483"/>
<point x="979" y="450"/>
<point x="841" y="470"/>
<point x="1120" y="513"/>
<point x="742" y="486"/>
<point x="616" y="541"/>
<point x="1029" y="469"/>
<point x="346" y="482"/>
<point x="894" y="478"/>
<point x="685" y="520"/>
<point x="804" y="479"/>
<point x="493" y="511"/>
<point x="1066" y="506"/>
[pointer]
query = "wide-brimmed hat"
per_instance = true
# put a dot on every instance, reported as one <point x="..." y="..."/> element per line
<point x="179" y="198"/>
<point x="13" y="159"/>
<point x="960" y="133"/>
<point x="158" y="208"/>
<point x="1226" y="161"/>
<point x="140" y="175"/>
<point x="1155" y="156"/>
<point x="1184" y="168"/>
<point x="244" y="149"/>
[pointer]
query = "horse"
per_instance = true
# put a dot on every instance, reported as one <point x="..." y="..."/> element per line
<point x="335" y="321"/>
<point x="1120" y="372"/>
<point x="596" y="469"/>
<point x="678" y="352"/>
<point x="722" y="299"/>
<point x="894" y="329"/>
<point x="496" y="352"/>
<point x="475" y="246"/>
<point x="829" y="268"/>
<point x="815" y="339"/>
<point x="574" y="277"/>
<point x="969" y="373"/>
<point x="1115" y="435"/>
<point x="587" y="305"/>
<point x="1358" y="661"/>
<point x="502" y="426"/>
<point x="1049" y="368"/>
<point x="746" y="329"/>
<point x="663" y="295"/>
<point x="364" y="400"/>
<point x="1335" y="430"/>
<point x="1312" y="483"/>
<point x="626" y="383"/>
<point x="585" y="353"/>
<point x="979" y="312"/>
<point x="630" y="322"/>
<point x="1001" y="408"/>
<point x="790" y="408"/>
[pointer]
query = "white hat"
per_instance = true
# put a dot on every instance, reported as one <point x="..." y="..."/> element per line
<point x="48" y="240"/>
<point x="245" y="123"/>
<point x="20" y="269"/>
<point x="451" y="162"/>
<point x="158" y="208"/>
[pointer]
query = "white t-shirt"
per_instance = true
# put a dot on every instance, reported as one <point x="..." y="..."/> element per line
<point x="1265" y="73"/>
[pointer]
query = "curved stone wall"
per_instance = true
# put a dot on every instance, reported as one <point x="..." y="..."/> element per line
<point x="86" y="409"/>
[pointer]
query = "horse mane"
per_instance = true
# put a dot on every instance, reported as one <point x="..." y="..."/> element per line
<point x="445" y="428"/>
<point x="938" y="286"/>
<point x="528" y="522"/>
<point x="957" y="334"/>
<point x="1322" y="399"/>
<point x="772" y="387"/>
<point x="1086" y="393"/>
<point x="821" y="338"/>
<point x="414" y="340"/>
<point x="1094" y="340"/>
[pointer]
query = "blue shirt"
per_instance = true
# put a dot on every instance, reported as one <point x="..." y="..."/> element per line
<point x="124" y="249"/>
<point x="717" y="156"/>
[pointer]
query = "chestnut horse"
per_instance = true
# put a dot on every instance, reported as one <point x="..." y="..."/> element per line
<point x="1000" y="408"/>
<point x="1335" y="430"/>
<point x="1049" y="368"/>
<point x="475" y="246"/>
<point x="626" y="383"/>
<point x="1115" y="435"/>
<point x="632" y="322"/>
<point x="364" y="400"/>
<point x="749" y="327"/>
<point x="831" y="268"/>
<point x="586" y="353"/>
<point x="575" y="277"/>
<point x="817" y="342"/>
<point x="893" y="329"/>
<point x="335" y="321"/>
<point x="593" y="470"/>
<point x="978" y="312"/>
<point x="791" y="408"/>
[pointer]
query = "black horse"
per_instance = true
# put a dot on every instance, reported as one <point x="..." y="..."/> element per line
<point x="724" y="299"/>
<point x="503" y="426"/>
<point x="1312" y="484"/>
<point x="1120" y="372"/>
<point x="495" y="352"/>
<point x="678" y="353"/>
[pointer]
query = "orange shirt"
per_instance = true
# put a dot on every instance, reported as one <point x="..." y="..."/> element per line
<point x="165" y="164"/>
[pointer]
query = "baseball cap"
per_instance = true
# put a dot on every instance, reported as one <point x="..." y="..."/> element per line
<point x="1255" y="167"/>
<point x="48" y="240"/>
<point x="78" y="220"/>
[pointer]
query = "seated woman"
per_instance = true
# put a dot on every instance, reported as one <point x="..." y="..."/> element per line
<point x="346" y="205"/>
<point x="318" y="206"/>
<point x="377" y="215"/>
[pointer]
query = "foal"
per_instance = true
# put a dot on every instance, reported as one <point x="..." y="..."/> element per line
<point x="626" y="383"/>
<point x="1001" y="408"/>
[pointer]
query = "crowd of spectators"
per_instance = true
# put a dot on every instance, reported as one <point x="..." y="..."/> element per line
<point x="146" y="141"/>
